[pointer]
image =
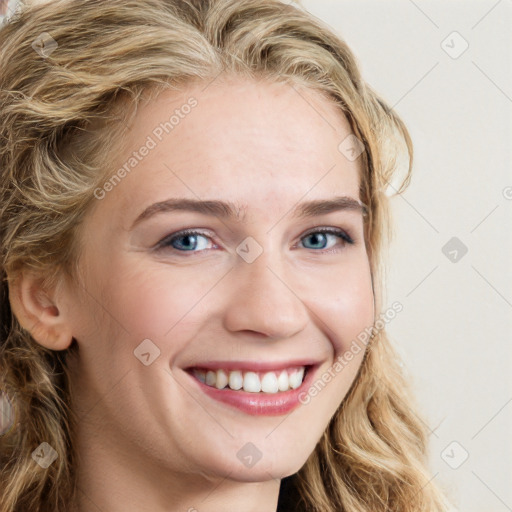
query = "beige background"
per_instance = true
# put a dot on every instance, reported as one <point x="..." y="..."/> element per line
<point x="455" y="332"/>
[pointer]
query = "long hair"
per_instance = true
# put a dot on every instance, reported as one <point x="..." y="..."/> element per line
<point x="60" y="115"/>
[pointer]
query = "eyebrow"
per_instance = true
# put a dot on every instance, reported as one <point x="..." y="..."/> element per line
<point x="230" y="210"/>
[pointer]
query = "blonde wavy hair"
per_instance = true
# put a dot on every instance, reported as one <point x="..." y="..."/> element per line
<point x="60" y="117"/>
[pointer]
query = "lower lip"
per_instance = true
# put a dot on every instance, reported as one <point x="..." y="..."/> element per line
<point x="259" y="404"/>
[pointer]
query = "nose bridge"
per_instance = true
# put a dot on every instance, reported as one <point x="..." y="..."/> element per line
<point x="263" y="300"/>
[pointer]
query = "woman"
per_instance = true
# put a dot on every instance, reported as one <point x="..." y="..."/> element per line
<point x="171" y="339"/>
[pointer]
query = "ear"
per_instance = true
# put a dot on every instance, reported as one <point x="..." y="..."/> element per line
<point x="37" y="311"/>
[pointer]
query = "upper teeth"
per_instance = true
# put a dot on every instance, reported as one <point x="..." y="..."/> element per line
<point x="254" y="382"/>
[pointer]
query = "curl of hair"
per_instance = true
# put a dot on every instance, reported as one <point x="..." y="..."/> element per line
<point x="62" y="114"/>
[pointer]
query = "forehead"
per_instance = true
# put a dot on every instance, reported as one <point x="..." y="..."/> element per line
<point x="252" y="142"/>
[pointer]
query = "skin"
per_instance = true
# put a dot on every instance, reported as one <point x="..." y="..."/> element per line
<point x="147" y="439"/>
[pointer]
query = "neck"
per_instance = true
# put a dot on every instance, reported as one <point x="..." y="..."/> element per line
<point x="112" y="476"/>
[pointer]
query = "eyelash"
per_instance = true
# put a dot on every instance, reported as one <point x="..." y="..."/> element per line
<point x="164" y="244"/>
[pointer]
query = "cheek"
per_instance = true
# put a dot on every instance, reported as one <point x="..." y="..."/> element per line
<point x="155" y="301"/>
<point x="342" y="298"/>
<point x="350" y="311"/>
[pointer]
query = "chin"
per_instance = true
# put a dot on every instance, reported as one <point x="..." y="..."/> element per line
<point x="280" y="466"/>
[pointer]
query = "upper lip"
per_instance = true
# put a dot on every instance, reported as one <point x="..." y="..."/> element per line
<point x="253" y="365"/>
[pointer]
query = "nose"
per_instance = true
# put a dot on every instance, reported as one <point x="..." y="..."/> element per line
<point x="264" y="301"/>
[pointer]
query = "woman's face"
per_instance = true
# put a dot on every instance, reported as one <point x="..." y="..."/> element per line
<point x="255" y="292"/>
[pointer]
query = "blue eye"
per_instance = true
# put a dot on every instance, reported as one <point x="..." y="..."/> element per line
<point x="190" y="240"/>
<point x="321" y="235"/>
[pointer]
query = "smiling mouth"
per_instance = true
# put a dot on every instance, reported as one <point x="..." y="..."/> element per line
<point x="267" y="382"/>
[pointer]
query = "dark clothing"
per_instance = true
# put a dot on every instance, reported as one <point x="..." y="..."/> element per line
<point x="288" y="497"/>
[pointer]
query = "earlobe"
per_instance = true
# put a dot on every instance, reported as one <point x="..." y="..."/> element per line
<point x="37" y="312"/>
